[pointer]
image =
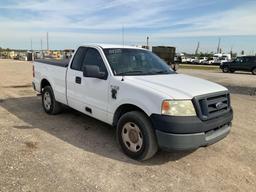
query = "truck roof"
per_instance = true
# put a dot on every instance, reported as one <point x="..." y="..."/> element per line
<point x="113" y="46"/>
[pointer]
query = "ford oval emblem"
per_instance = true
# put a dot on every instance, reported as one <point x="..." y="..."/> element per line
<point x="219" y="105"/>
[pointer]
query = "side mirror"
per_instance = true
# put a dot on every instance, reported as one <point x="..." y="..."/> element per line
<point x="94" y="72"/>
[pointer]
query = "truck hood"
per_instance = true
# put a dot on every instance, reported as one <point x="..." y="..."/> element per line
<point x="176" y="86"/>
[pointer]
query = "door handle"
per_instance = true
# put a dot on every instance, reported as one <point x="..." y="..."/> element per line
<point x="78" y="80"/>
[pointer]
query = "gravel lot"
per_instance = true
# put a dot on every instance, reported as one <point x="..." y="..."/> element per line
<point x="72" y="152"/>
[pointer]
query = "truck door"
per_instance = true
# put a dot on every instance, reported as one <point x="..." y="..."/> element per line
<point x="74" y="81"/>
<point x="250" y="63"/>
<point x="95" y="90"/>
<point x="244" y="64"/>
<point x="237" y="64"/>
<point x="86" y="94"/>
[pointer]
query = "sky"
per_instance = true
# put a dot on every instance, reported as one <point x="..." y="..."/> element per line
<point x="179" y="23"/>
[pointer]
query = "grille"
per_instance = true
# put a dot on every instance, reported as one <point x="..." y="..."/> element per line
<point x="212" y="105"/>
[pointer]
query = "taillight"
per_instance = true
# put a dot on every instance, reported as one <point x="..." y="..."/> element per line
<point x="33" y="68"/>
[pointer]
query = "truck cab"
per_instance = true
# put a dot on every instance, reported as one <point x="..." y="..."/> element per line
<point x="150" y="105"/>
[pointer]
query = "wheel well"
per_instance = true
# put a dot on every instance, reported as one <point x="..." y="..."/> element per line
<point x="44" y="83"/>
<point x="124" y="109"/>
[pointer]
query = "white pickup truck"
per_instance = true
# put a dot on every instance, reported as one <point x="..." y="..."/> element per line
<point x="132" y="89"/>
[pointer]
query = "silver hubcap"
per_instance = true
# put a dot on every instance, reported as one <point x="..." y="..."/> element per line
<point x="132" y="137"/>
<point x="47" y="101"/>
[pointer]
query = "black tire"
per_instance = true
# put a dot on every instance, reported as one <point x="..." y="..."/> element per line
<point x="232" y="71"/>
<point x="149" y="143"/>
<point x="254" y="71"/>
<point x="225" y="70"/>
<point x="53" y="107"/>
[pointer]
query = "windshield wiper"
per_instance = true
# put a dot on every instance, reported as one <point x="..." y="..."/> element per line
<point x="161" y="72"/>
<point x="130" y="72"/>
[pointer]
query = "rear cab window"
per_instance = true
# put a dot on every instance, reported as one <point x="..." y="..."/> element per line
<point x="78" y="59"/>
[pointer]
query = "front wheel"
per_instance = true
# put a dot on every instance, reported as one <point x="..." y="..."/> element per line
<point x="50" y="105"/>
<point x="136" y="136"/>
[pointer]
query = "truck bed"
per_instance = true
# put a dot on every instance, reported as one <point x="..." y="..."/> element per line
<point x="55" y="72"/>
<point x="60" y="63"/>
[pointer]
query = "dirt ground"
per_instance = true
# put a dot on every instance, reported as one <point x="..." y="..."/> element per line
<point x="72" y="152"/>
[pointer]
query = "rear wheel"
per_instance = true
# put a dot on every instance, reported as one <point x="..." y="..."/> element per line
<point x="225" y="70"/>
<point x="50" y="105"/>
<point x="136" y="136"/>
<point x="254" y="71"/>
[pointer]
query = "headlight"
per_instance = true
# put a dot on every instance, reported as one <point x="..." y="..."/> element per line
<point x="178" y="108"/>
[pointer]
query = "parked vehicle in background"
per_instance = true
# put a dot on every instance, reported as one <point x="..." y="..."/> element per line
<point x="184" y="60"/>
<point x="192" y="60"/>
<point x="224" y="59"/>
<point x="195" y="60"/>
<point x="219" y="58"/>
<point x="132" y="89"/>
<point x="243" y="63"/>
<point x="188" y="60"/>
<point x="202" y="60"/>
<point x="207" y="61"/>
<point x="167" y="54"/>
<point x="67" y="53"/>
<point x="179" y="58"/>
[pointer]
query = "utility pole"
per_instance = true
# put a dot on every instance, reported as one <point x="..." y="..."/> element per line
<point x="148" y="42"/>
<point x="42" y="49"/>
<point x="31" y="44"/>
<point x="47" y="41"/>
<point x="197" y="48"/>
<point x="218" y="49"/>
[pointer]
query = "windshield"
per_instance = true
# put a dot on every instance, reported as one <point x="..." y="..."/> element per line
<point x="135" y="62"/>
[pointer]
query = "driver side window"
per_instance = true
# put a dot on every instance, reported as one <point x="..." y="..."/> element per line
<point x="93" y="57"/>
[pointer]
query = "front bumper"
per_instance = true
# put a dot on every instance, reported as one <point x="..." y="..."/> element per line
<point x="185" y="133"/>
<point x="169" y="141"/>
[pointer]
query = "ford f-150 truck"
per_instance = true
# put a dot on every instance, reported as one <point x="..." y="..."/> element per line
<point x="132" y="89"/>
